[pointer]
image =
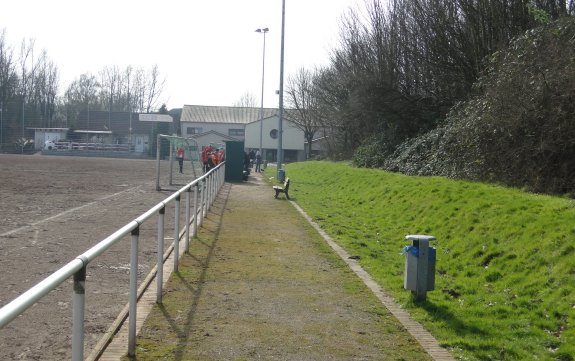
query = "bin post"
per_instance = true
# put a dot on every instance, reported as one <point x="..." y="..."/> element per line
<point x="424" y="268"/>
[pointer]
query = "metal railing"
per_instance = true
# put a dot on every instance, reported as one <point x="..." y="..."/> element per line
<point x="205" y="191"/>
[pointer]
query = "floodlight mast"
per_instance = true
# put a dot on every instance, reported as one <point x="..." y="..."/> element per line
<point x="262" y="31"/>
<point x="281" y="95"/>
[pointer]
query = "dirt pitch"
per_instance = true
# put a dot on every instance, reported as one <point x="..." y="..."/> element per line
<point x="54" y="208"/>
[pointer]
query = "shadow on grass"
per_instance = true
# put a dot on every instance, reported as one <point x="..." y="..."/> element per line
<point x="193" y="294"/>
<point x="443" y="315"/>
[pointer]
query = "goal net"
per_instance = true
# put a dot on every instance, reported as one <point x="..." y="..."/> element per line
<point x="177" y="162"/>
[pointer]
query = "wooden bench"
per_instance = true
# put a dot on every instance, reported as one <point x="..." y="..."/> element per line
<point x="284" y="190"/>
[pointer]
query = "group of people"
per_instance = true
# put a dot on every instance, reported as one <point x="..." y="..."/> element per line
<point x="211" y="157"/>
<point x="251" y="158"/>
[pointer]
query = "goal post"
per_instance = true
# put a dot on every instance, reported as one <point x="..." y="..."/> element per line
<point x="167" y="164"/>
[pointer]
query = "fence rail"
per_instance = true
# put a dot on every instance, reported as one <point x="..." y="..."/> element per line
<point x="205" y="190"/>
<point x="62" y="146"/>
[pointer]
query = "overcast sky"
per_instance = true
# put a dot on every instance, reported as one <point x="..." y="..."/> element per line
<point x="207" y="50"/>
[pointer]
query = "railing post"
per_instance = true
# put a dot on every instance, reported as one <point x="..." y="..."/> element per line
<point x="78" y="318"/>
<point x="187" y="241"/>
<point x="171" y="162"/>
<point x="177" y="234"/>
<point x="158" y="147"/>
<point x="133" y="298"/>
<point x="210" y="191"/>
<point x="223" y="176"/>
<point x="160" y="256"/>
<point x="203" y="202"/>
<point x="195" y="229"/>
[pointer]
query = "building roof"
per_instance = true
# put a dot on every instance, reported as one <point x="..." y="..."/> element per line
<point x="221" y="114"/>
<point x="212" y="132"/>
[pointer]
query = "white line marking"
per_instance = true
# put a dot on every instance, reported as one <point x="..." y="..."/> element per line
<point x="65" y="213"/>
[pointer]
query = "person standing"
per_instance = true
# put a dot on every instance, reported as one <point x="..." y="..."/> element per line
<point x="205" y="157"/>
<point x="180" y="156"/>
<point x="252" y="156"/>
<point x="258" y="162"/>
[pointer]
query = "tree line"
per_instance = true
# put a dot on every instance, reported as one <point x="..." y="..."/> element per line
<point x="401" y="67"/>
<point x="30" y="84"/>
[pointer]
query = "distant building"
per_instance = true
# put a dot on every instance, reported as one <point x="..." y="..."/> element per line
<point x="243" y="124"/>
<point x="110" y="128"/>
<point x="205" y="124"/>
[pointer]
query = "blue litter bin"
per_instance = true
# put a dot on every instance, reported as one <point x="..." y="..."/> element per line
<point x="281" y="175"/>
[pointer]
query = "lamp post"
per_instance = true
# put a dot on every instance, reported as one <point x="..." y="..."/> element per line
<point x="262" y="31"/>
<point x="281" y="95"/>
<point x="1" y="123"/>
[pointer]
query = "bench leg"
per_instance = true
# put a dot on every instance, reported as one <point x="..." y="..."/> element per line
<point x="277" y="192"/>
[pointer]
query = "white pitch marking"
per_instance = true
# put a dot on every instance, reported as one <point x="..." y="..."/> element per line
<point x="64" y="213"/>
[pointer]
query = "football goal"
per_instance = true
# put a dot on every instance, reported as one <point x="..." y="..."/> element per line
<point x="169" y="149"/>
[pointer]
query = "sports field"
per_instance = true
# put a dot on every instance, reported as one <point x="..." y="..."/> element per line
<point x="54" y="208"/>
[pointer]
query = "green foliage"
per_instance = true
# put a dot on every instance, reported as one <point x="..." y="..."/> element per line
<point x="371" y="154"/>
<point x="505" y="281"/>
<point x="541" y="16"/>
<point x="519" y="129"/>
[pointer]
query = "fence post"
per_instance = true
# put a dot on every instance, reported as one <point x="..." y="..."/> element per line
<point x="210" y="191"/>
<point x="160" y="256"/>
<point x="203" y="203"/>
<point x="78" y="319"/>
<point x="187" y="241"/>
<point x="195" y="229"/>
<point x="177" y="234"/>
<point x="133" y="292"/>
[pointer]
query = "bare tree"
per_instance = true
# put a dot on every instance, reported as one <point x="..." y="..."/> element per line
<point x="45" y="89"/>
<point x="26" y="52"/>
<point x="247" y="100"/>
<point x="8" y="76"/>
<point x="82" y="94"/>
<point x="302" y="104"/>
<point x="154" y="87"/>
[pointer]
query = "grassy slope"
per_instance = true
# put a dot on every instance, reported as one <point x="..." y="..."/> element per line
<point x="505" y="277"/>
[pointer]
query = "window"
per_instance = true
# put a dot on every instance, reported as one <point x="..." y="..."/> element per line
<point x="236" y="132"/>
<point x="191" y="130"/>
<point x="274" y="133"/>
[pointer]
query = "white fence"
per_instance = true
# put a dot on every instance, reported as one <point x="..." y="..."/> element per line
<point x="205" y="190"/>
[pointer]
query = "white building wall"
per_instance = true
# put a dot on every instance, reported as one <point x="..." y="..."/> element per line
<point x="293" y="138"/>
<point x="41" y="136"/>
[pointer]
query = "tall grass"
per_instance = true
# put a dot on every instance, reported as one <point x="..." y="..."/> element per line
<point x="505" y="282"/>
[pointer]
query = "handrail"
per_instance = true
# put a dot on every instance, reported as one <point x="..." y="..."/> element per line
<point x="207" y="185"/>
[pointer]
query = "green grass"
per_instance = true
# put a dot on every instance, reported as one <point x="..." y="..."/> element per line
<point x="505" y="281"/>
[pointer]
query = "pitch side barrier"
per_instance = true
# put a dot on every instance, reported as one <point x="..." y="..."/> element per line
<point x="205" y="190"/>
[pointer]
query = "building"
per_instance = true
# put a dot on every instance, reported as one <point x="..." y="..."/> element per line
<point x="243" y="124"/>
<point x="205" y="124"/>
<point x="135" y="132"/>
<point x="292" y="140"/>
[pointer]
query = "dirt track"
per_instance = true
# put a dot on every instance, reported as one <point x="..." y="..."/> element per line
<point x="52" y="209"/>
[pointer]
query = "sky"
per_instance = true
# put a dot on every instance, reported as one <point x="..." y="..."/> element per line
<point x="206" y="50"/>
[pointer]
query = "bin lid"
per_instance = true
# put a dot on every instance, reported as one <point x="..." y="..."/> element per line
<point x="420" y="237"/>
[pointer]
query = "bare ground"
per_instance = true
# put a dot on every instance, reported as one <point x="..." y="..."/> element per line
<point x="52" y="209"/>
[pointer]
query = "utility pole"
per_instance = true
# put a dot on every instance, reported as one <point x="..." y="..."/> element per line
<point x="281" y="105"/>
